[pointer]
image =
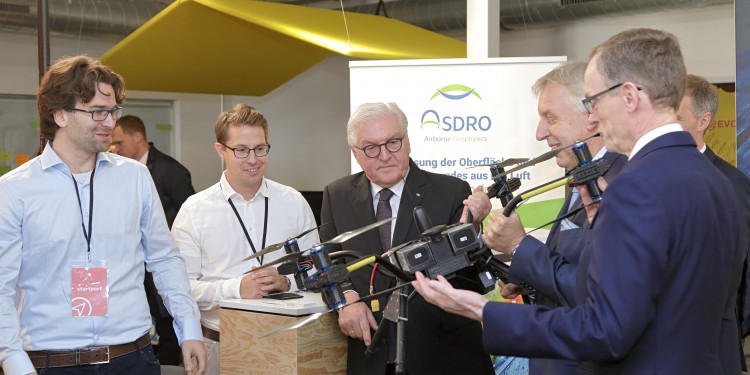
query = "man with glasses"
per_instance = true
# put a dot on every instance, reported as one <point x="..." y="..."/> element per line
<point x="71" y="276"/>
<point x="240" y="215"/>
<point x="436" y="342"/>
<point x="550" y="268"/>
<point x="662" y="264"/>
<point x="173" y="184"/>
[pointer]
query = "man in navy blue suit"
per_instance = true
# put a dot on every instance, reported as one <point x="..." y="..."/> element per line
<point x="549" y="269"/>
<point x="661" y="262"/>
<point x="697" y="110"/>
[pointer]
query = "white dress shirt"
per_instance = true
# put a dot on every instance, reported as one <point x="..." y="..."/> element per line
<point x="41" y="235"/>
<point x="211" y="240"/>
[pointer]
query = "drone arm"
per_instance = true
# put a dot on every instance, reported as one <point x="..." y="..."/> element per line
<point x="532" y="193"/>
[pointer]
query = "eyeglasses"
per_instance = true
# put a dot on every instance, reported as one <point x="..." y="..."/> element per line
<point x="243" y="152"/>
<point x="588" y="103"/>
<point x="373" y="151"/>
<point x="101" y="114"/>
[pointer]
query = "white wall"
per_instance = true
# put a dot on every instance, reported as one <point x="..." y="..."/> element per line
<point x="706" y="36"/>
<point x="308" y="114"/>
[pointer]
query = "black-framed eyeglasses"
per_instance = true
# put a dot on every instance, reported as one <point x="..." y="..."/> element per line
<point x="243" y="152"/>
<point x="588" y="102"/>
<point x="101" y="114"/>
<point x="392" y="145"/>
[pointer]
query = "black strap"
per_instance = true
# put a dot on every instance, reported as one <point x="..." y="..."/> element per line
<point x="247" y="235"/>
<point x="86" y="234"/>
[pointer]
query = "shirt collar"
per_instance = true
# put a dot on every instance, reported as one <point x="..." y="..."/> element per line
<point x="397" y="189"/>
<point x="144" y="159"/>
<point x="50" y="159"/>
<point x="653" y="134"/>
<point x="228" y="192"/>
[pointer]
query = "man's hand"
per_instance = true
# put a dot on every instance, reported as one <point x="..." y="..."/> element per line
<point x="455" y="301"/>
<point x="591" y="207"/>
<point x="269" y="280"/>
<point x="260" y="283"/>
<point x="502" y="233"/>
<point x="356" y="319"/>
<point x="194" y="357"/>
<point x="478" y="203"/>
<point x="510" y="291"/>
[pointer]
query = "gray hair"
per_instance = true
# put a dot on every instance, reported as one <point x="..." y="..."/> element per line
<point x="703" y="93"/>
<point x="570" y="75"/>
<point x="649" y="58"/>
<point x="373" y="111"/>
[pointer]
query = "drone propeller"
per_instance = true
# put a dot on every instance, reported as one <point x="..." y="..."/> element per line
<point x="336" y="240"/>
<point x="503" y="163"/>
<point x="313" y="317"/>
<point x="543" y="157"/>
<point x="280" y="245"/>
<point x="356" y="232"/>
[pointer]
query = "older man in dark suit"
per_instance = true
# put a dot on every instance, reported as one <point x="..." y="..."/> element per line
<point x="697" y="110"/>
<point x="436" y="342"/>
<point x="550" y="268"/>
<point x="174" y="186"/>
<point x="662" y="263"/>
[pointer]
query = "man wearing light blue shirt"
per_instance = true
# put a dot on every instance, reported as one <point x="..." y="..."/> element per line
<point x="76" y="225"/>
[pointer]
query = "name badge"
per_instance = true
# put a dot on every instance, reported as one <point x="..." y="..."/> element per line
<point x="89" y="289"/>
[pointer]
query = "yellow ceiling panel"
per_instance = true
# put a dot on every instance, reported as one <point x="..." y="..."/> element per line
<point x="243" y="47"/>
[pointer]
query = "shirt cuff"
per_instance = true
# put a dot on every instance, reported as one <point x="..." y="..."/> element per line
<point x="230" y="288"/>
<point x="18" y="364"/>
<point x="191" y="330"/>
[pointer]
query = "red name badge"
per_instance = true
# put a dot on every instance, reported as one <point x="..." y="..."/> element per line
<point x="89" y="290"/>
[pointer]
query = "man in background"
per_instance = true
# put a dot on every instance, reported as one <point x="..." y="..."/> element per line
<point x="173" y="184"/>
<point x="697" y="110"/>
<point x="217" y="228"/>
<point x="171" y="178"/>
<point x="550" y="268"/>
<point x="392" y="185"/>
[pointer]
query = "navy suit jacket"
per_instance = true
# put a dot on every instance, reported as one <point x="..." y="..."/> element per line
<point x="550" y="268"/>
<point x="741" y="184"/>
<point x="436" y="342"/>
<point x="660" y="271"/>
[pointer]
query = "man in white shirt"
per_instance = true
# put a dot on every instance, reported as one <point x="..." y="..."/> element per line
<point x="240" y="215"/>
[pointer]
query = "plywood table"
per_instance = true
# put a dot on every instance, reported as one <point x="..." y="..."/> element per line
<point x="316" y="349"/>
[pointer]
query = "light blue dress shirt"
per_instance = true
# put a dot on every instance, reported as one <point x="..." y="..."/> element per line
<point x="41" y="235"/>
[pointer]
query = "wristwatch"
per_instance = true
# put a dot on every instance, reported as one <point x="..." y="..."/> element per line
<point x="288" y="283"/>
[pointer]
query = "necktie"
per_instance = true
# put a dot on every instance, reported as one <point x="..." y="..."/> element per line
<point x="573" y="198"/>
<point x="384" y="212"/>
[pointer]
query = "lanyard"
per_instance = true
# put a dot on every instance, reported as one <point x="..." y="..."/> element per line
<point x="86" y="234"/>
<point x="265" y="227"/>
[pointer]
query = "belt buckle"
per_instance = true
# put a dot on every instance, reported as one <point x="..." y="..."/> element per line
<point x="105" y="349"/>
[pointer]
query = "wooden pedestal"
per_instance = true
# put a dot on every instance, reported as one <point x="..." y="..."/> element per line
<point x="316" y="349"/>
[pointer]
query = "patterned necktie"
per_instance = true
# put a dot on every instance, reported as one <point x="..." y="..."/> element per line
<point x="384" y="212"/>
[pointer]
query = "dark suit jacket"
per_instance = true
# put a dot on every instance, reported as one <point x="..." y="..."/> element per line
<point x="173" y="184"/>
<point x="172" y="181"/>
<point x="660" y="272"/>
<point x="741" y="184"/>
<point x="551" y="268"/>
<point x="436" y="342"/>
